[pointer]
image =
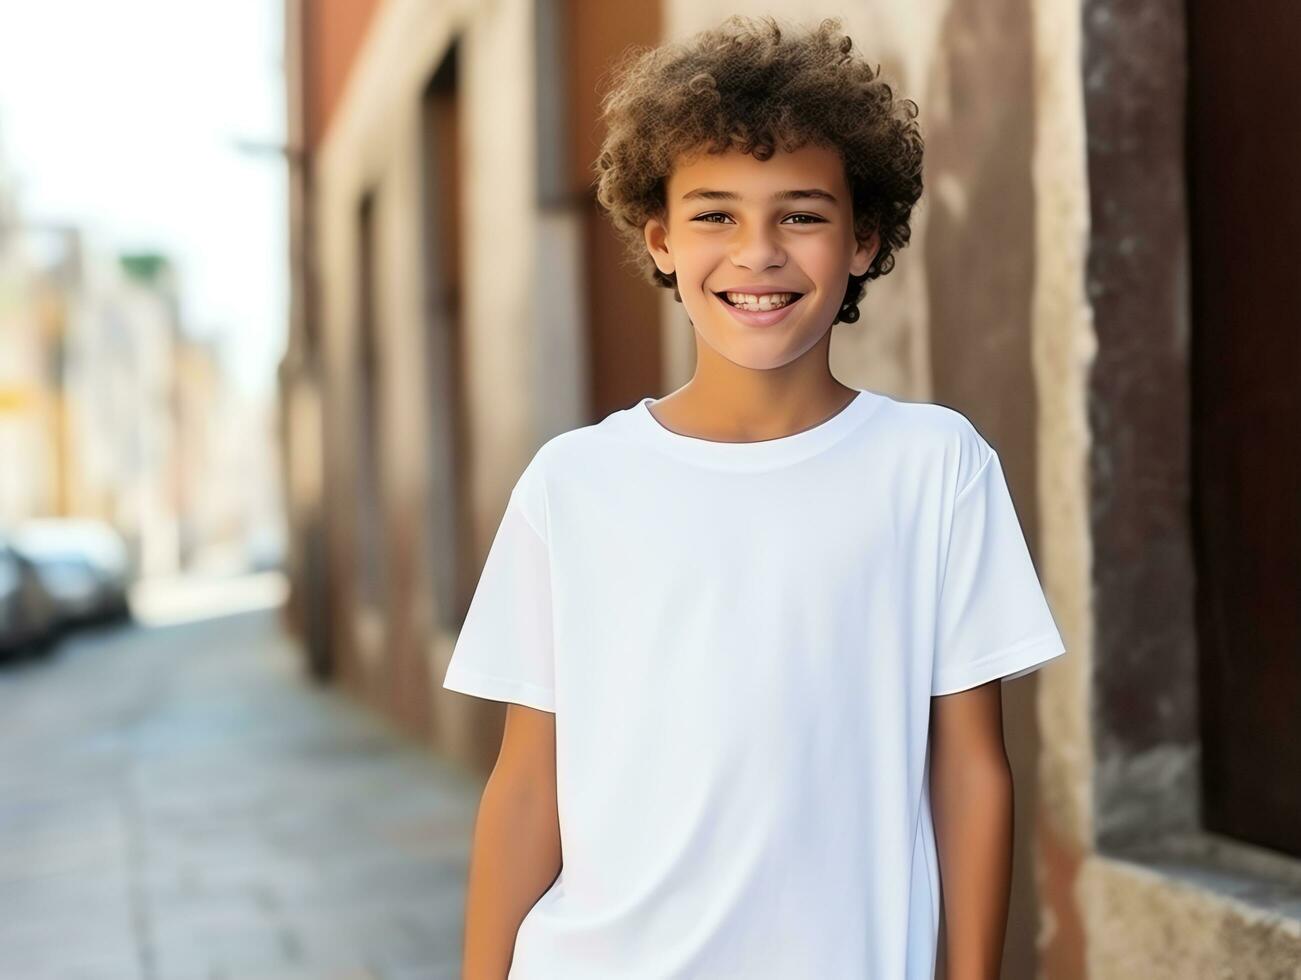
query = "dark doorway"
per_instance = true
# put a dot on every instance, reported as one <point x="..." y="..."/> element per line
<point x="1244" y="137"/>
<point x="453" y="565"/>
<point x="370" y="510"/>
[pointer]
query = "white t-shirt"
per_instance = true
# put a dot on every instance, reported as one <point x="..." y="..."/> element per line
<point x="740" y="642"/>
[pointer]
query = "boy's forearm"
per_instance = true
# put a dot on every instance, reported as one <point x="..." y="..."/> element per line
<point x="514" y="859"/>
<point x="971" y="804"/>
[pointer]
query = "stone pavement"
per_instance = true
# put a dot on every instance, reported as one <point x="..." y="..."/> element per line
<point x="176" y="803"/>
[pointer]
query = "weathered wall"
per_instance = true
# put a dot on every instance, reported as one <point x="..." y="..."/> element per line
<point x="1063" y="349"/>
<point x="373" y="145"/>
<point x="1158" y="896"/>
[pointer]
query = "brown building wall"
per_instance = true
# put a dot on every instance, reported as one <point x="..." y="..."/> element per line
<point x="333" y="34"/>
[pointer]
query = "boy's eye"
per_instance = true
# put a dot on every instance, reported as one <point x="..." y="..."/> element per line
<point x="809" y="218"/>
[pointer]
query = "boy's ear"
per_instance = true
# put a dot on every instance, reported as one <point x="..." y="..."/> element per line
<point x="656" y="234"/>
<point x="864" y="254"/>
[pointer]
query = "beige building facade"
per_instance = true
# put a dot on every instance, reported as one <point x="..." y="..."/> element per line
<point x="459" y="300"/>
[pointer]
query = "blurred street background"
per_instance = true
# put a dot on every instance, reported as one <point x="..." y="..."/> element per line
<point x="290" y="292"/>
<point x="175" y="802"/>
<point x="177" y="799"/>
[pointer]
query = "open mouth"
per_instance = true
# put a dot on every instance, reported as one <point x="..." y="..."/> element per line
<point x="764" y="303"/>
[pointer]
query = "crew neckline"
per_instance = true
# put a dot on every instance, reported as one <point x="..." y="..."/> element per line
<point x="760" y="453"/>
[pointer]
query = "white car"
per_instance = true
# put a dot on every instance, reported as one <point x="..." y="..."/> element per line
<point x="83" y="564"/>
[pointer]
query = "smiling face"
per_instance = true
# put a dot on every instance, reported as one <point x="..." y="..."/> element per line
<point x="740" y="227"/>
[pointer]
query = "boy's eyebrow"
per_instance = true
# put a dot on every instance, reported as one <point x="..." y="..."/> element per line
<point x="709" y="195"/>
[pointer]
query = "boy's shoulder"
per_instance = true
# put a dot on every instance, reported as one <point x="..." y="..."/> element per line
<point x="582" y="443"/>
<point x="929" y="427"/>
<point x="958" y="446"/>
<point x="933" y="441"/>
<point x="572" y="450"/>
<point x="928" y="419"/>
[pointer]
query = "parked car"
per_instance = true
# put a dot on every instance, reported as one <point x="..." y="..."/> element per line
<point x="82" y="563"/>
<point x="29" y="619"/>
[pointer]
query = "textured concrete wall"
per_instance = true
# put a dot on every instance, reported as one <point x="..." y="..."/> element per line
<point x="1063" y="350"/>
<point x="1146" y="722"/>
<point x="1203" y="915"/>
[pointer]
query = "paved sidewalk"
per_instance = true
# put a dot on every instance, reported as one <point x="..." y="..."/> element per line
<point x="177" y="803"/>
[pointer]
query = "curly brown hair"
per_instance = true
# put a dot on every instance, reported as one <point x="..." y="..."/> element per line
<point x="745" y="85"/>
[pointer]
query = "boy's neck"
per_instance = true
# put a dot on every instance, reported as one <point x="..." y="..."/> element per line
<point x="724" y="412"/>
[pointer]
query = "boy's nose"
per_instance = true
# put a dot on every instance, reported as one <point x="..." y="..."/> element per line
<point x="758" y="249"/>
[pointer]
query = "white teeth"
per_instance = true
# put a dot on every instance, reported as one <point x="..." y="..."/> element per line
<point x="768" y="301"/>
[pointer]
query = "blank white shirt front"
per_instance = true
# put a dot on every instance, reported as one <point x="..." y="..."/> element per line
<point x="740" y="642"/>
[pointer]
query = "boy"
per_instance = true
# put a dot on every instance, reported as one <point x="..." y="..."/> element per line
<point x="752" y="632"/>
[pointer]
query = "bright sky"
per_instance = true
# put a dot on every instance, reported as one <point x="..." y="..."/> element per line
<point x="122" y="116"/>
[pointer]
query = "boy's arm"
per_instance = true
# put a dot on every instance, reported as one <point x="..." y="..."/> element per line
<point x="971" y="805"/>
<point x="515" y="855"/>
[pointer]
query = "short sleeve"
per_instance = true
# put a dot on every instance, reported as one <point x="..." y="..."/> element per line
<point x="504" y="649"/>
<point x="993" y="620"/>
